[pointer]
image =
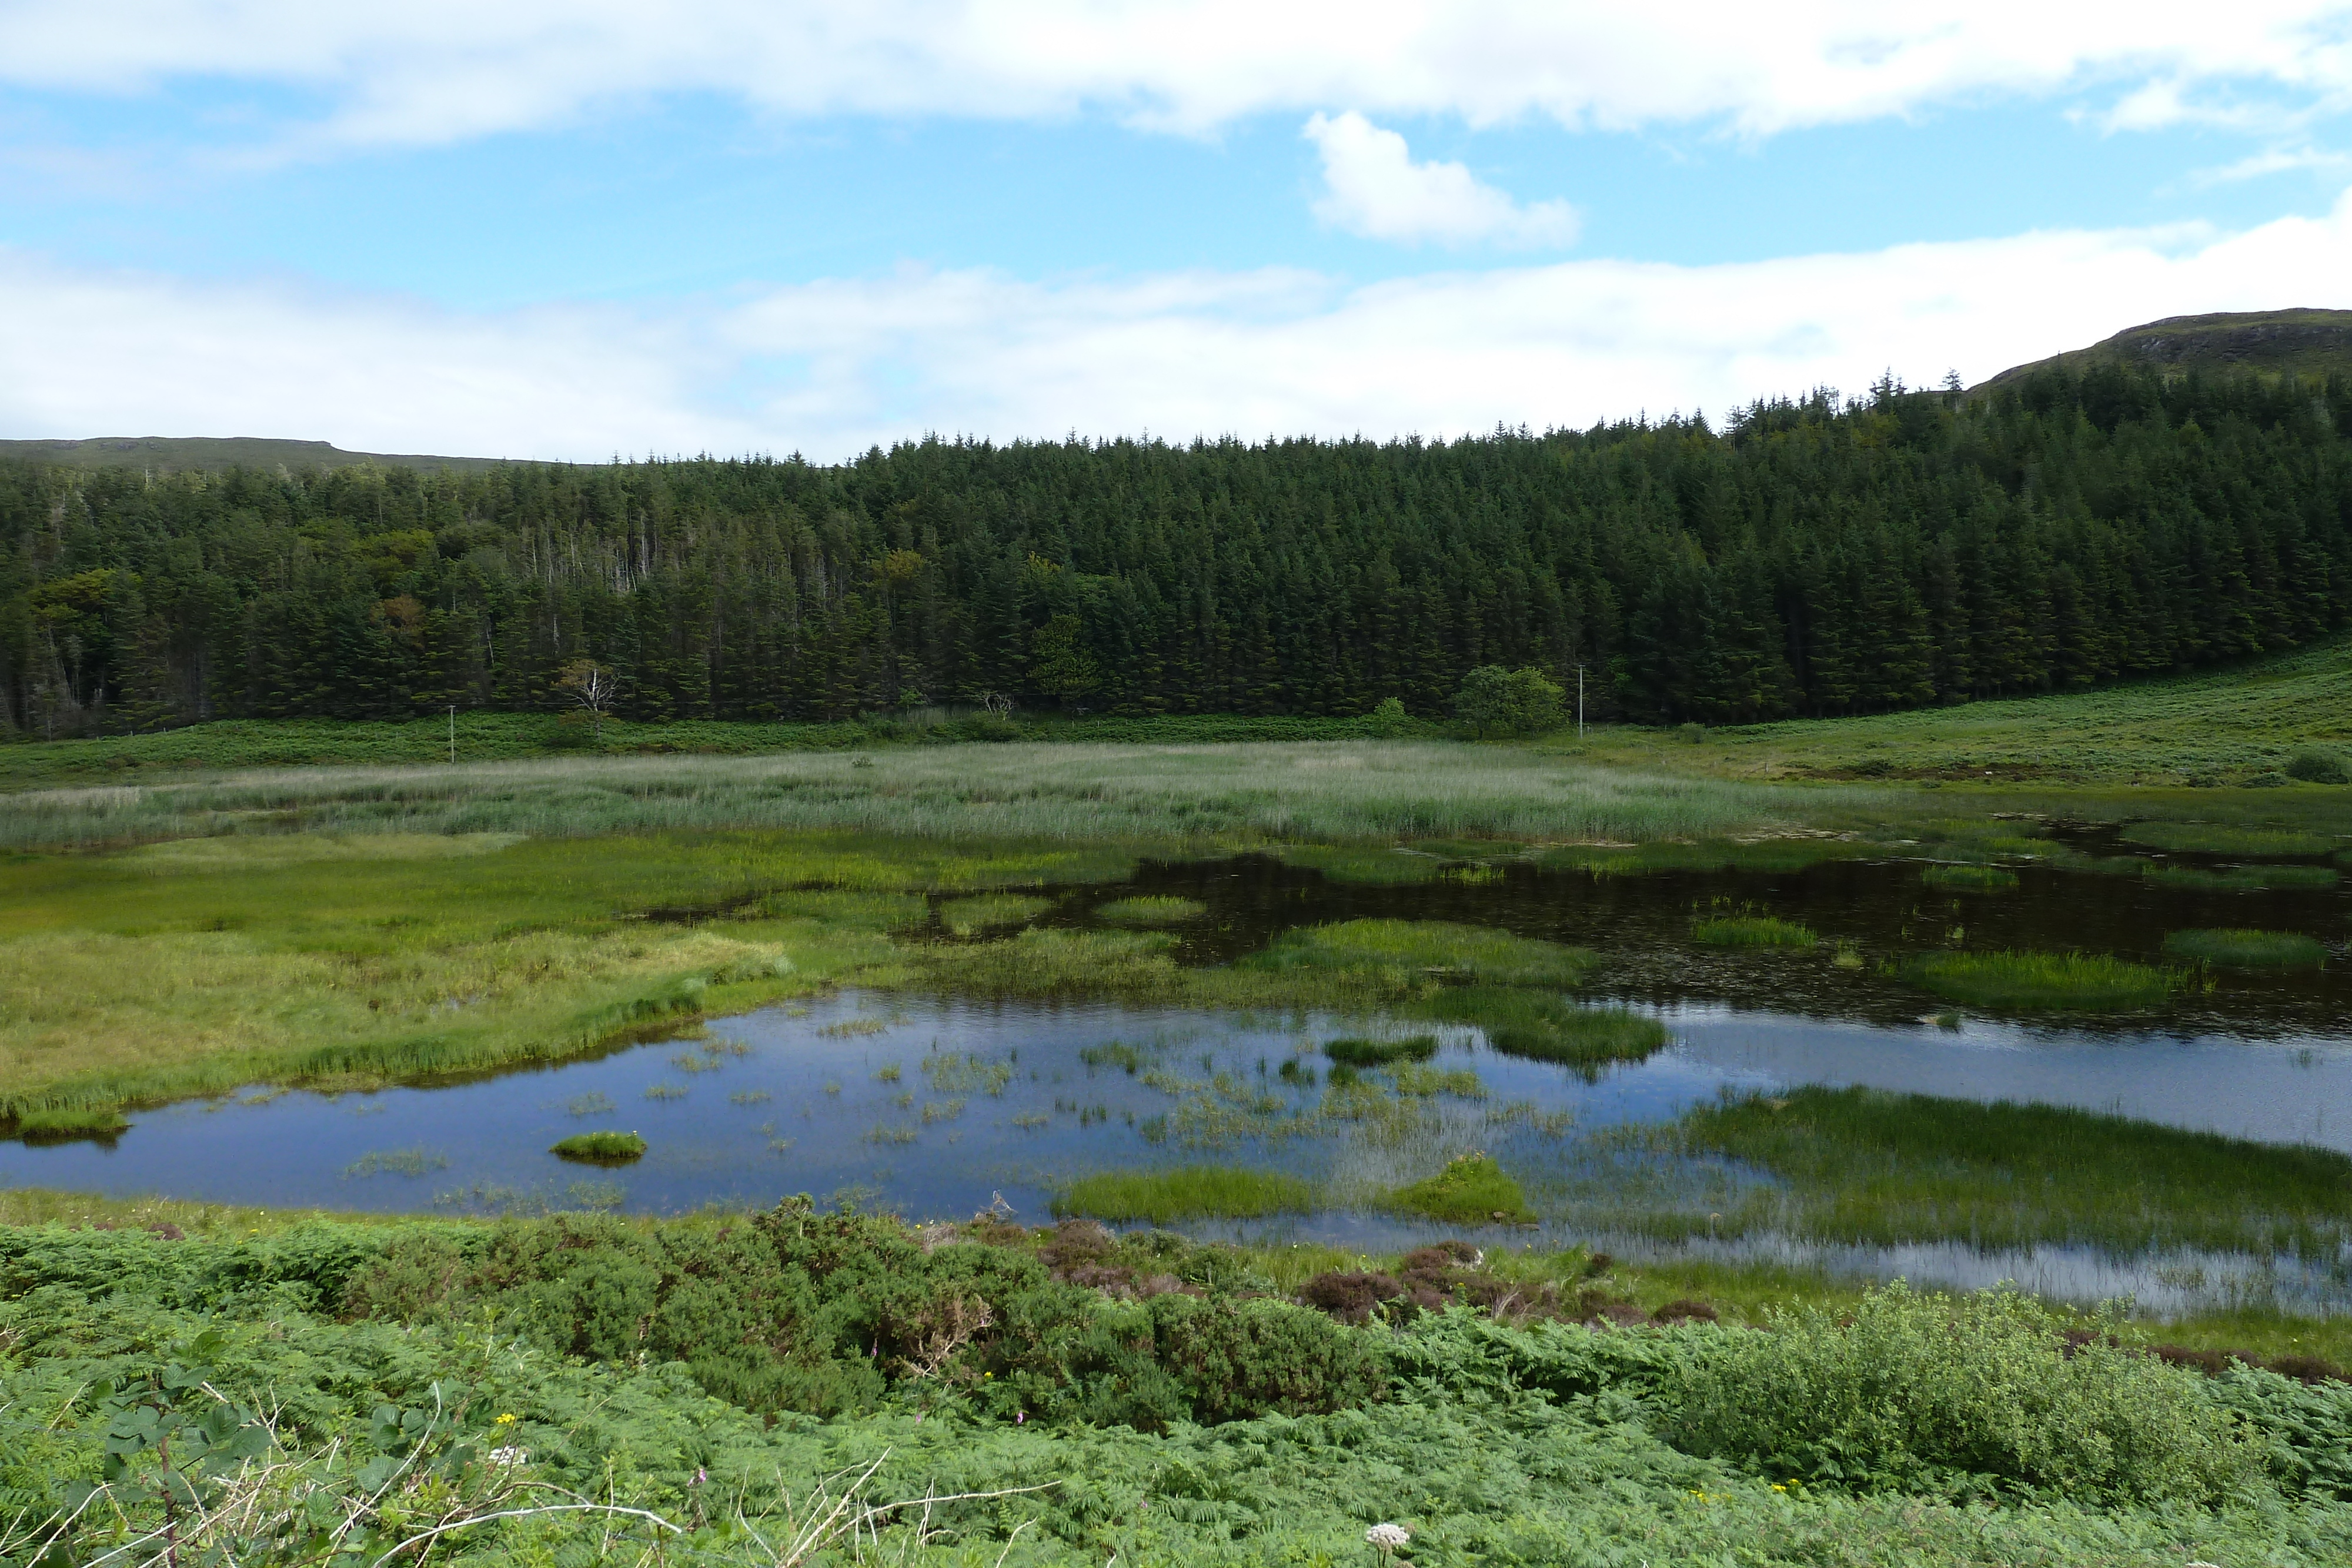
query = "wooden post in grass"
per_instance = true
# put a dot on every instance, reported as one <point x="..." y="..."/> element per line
<point x="453" y="732"/>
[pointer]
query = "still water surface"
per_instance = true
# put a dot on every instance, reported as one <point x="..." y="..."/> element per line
<point x="941" y="1107"/>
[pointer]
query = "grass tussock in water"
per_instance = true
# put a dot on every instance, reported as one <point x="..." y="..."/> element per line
<point x="1471" y="1191"/>
<point x="1970" y="878"/>
<point x="1360" y="1053"/>
<point x="1774" y="854"/>
<point x="1188" y="1192"/>
<point x="981" y="911"/>
<point x="1543" y="1026"/>
<point x="2240" y="878"/>
<point x="61" y="1124"/>
<point x="1869" y="1167"/>
<point x="2247" y="949"/>
<point x="603" y="1148"/>
<point x="1409" y="952"/>
<point x="1751" y="931"/>
<point x="2229" y="838"/>
<point x="2043" y="982"/>
<point x="1364" y="866"/>
<point x="1151" y="909"/>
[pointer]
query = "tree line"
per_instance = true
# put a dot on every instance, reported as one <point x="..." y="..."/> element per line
<point x="1811" y="557"/>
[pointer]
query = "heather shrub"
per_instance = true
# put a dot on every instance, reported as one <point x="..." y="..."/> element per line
<point x="1979" y="1393"/>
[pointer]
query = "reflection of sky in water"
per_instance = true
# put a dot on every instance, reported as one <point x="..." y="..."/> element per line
<point x="792" y="1100"/>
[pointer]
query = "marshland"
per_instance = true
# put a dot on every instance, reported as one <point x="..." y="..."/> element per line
<point x="1915" y="1137"/>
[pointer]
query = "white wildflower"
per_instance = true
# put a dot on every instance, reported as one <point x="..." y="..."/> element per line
<point x="1387" y="1536"/>
<point x="509" y="1457"/>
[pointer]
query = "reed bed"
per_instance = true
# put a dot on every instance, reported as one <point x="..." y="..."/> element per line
<point x="1151" y="909"/>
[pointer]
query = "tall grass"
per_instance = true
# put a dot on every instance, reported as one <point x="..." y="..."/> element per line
<point x="2043" y="981"/>
<point x="1332" y="792"/>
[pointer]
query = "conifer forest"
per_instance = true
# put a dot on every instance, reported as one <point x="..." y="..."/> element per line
<point x="1806" y="558"/>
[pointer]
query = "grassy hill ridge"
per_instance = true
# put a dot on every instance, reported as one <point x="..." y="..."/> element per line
<point x="204" y="454"/>
<point x="2306" y="342"/>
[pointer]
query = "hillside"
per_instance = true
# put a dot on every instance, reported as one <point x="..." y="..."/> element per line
<point x="2284" y="342"/>
<point x="204" y="454"/>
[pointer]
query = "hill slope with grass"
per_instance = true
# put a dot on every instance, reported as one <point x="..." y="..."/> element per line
<point x="2234" y="726"/>
<point x="206" y="454"/>
<point x="2283" y="342"/>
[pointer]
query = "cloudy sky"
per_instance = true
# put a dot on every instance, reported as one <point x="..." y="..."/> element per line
<point x="571" y="228"/>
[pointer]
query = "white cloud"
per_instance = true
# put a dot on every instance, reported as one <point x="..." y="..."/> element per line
<point x="2273" y="161"/>
<point x="1373" y="188"/>
<point x="429" y="72"/>
<point x="829" y="367"/>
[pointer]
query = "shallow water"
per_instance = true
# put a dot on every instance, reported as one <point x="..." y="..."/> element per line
<point x="941" y="1107"/>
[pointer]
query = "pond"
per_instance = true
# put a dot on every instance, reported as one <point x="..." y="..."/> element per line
<point x="942" y="1106"/>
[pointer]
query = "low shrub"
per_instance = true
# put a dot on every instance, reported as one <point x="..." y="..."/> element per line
<point x="601" y="1149"/>
<point x="2319" y="765"/>
<point x="2237" y="950"/>
<point x="1471" y="1191"/>
<point x="1928" y="1392"/>
<point x="1358" y="1052"/>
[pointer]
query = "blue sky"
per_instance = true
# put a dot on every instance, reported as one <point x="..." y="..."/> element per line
<point x="570" y="230"/>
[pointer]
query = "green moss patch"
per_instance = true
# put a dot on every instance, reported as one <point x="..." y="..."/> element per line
<point x="1368" y="867"/>
<point x="1471" y="1191"/>
<point x="601" y="1149"/>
